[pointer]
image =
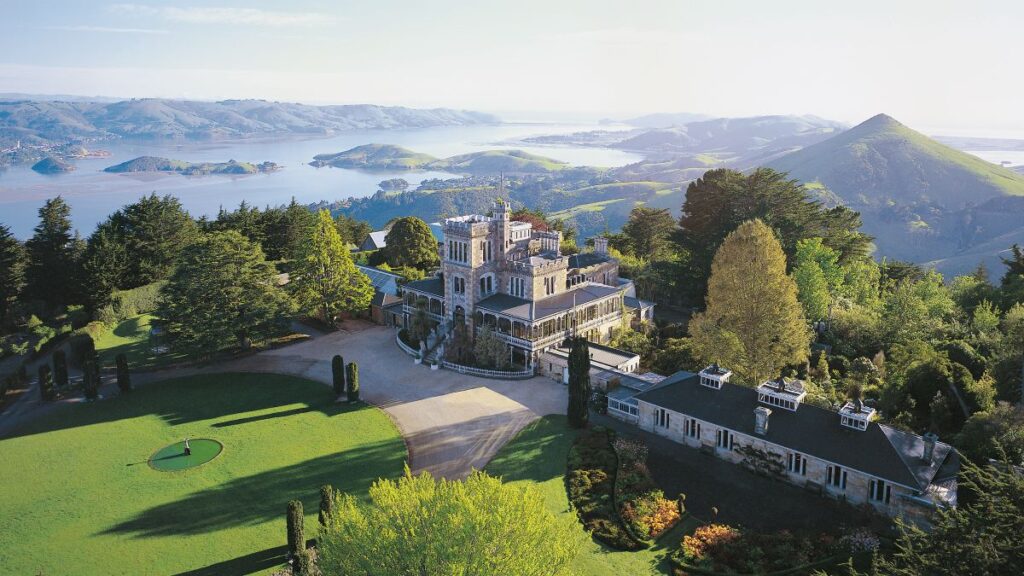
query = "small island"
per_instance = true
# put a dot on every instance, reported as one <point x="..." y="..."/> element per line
<point x="157" y="164"/>
<point x="388" y="157"/>
<point x="52" y="165"/>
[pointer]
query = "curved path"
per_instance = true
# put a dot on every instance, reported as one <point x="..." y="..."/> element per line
<point x="452" y="423"/>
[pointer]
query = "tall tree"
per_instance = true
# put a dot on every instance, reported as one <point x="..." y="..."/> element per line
<point x="325" y="282"/>
<point x="296" y="532"/>
<point x="52" y="253"/>
<point x="648" y="232"/>
<point x="579" y="383"/>
<point x="154" y="231"/>
<point x="410" y="243"/>
<point x="1012" y="284"/>
<point x="416" y="525"/>
<point x="753" y="322"/>
<point x="287" y="229"/>
<point x="223" y="290"/>
<point x="352" y="230"/>
<point x="721" y="199"/>
<point x="104" y="265"/>
<point x="12" y="273"/>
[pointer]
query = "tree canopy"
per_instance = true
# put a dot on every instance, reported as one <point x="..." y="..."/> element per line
<point x="410" y="243"/>
<point x="753" y="322"/>
<point x="12" y="272"/>
<point x="223" y="290"/>
<point x="154" y="231"/>
<point x="53" y="256"/>
<point x="648" y="232"/>
<point x="418" y="525"/>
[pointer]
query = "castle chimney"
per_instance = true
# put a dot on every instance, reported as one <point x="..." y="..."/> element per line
<point x="601" y="245"/>
<point x="761" y="415"/>
<point x="928" y="454"/>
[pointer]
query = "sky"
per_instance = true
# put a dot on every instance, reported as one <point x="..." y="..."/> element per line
<point x="939" y="66"/>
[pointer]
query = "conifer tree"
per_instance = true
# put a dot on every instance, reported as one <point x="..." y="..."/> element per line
<point x="325" y="281"/>
<point x="46" y="383"/>
<point x="326" y="504"/>
<point x="410" y="243"/>
<point x="296" y="532"/>
<point x="124" y="379"/>
<point x="60" y="369"/>
<point x="338" y="374"/>
<point x="753" y="323"/>
<point x="12" y="272"/>
<point x="52" y="255"/>
<point x="579" y="383"/>
<point x="352" y="376"/>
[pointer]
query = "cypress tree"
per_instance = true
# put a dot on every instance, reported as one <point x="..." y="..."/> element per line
<point x="124" y="378"/>
<point x="22" y="375"/>
<point x="91" y="378"/>
<point x="326" y="504"/>
<point x="338" y="374"/>
<point x="46" y="383"/>
<point x="303" y="565"/>
<point x="296" y="533"/>
<point x="352" y="373"/>
<point x="579" y="383"/>
<point x="60" y="369"/>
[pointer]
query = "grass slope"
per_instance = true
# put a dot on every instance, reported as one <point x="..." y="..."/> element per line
<point x="79" y="498"/>
<point x="537" y="456"/>
<point x="131" y="338"/>
<point x="375" y="157"/>
<point x="494" y="161"/>
<point x="881" y="159"/>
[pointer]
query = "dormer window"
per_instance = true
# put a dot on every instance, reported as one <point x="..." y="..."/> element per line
<point x="856" y="415"/>
<point x="782" y="393"/>
<point x="714" y="376"/>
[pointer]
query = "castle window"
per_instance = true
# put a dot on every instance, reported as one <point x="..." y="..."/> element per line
<point x="880" y="491"/>
<point x="797" y="463"/>
<point x="835" y="476"/>
<point x="691" y="428"/>
<point x="724" y="439"/>
<point x="661" y="418"/>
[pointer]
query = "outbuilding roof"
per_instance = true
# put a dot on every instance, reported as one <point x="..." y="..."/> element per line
<point x="561" y="302"/>
<point x="880" y="450"/>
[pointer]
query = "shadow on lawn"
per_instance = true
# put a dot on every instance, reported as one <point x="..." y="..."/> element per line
<point x="196" y="398"/>
<point x="537" y="454"/>
<point x="260" y="497"/>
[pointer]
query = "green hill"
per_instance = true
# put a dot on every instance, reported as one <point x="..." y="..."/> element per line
<point x="494" y="161"/>
<point x="922" y="200"/>
<point x="158" y="164"/>
<point x="375" y="157"/>
<point x="882" y="161"/>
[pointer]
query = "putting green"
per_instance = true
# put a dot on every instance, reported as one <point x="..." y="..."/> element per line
<point x="172" y="458"/>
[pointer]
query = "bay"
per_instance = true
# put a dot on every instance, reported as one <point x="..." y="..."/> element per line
<point x="94" y="194"/>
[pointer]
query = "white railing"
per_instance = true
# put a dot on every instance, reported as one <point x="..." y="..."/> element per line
<point x="412" y="310"/>
<point x="484" y="373"/>
<point x="557" y="336"/>
<point x="403" y="346"/>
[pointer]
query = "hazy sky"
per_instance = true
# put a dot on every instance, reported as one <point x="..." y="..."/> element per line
<point x="938" y="66"/>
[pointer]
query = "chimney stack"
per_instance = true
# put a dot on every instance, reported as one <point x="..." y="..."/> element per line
<point x="761" y="415"/>
<point x="928" y="453"/>
<point x="601" y="245"/>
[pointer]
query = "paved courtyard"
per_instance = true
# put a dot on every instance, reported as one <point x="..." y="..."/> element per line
<point x="452" y="423"/>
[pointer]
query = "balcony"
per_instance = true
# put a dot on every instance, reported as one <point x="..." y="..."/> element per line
<point x="555" y="337"/>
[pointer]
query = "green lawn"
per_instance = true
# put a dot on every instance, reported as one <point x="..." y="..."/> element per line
<point x="537" y="456"/>
<point x="79" y="498"/>
<point x="131" y="338"/>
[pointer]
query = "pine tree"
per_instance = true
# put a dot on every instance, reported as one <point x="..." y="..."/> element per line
<point x="12" y="273"/>
<point x="326" y="504"/>
<point x="60" y="369"/>
<point x="338" y="374"/>
<point x="753" y="323"/>
<point x="579" y="383"/>
<point x="104" y="264"/>
<point x="296" y="532"/>
<point x="124" y="378"/>
<point x="46" y="390"/>
<point x="52" y="265"/>
<point x="352" y="376"/>
<point x="325" y="281"/>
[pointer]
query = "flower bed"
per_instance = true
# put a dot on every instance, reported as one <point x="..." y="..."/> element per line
<point x="590" y="480"/>
<point x="642" y="506"/>
<point x="721" y="549"/>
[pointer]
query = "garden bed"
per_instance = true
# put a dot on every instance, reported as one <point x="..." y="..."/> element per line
<point x="590" y="480"/>
<point x="642" y="506"/>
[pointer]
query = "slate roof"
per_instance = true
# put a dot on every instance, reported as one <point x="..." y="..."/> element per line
<point x="382" y="281"/>
<point x="587" y="259"/>
<point x="604" y="355"/>
<point x="375" y="241"/>
<point x="880" y="451"/>
<point x="433" y="286"/>
<point x="637" y="303"/>
<point x="561" y="302"/>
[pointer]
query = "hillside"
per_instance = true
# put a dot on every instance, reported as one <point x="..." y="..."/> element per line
<point x="375" y="157"/>
<point x="391" y="157"/>
<point x="52" y="165"/>
<point x="921" y="199"/>
<point x="47" y="121"/>
<point x="157" y="164"/>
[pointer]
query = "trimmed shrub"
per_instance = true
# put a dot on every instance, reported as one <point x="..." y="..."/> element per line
<point x="326" y="504"/>
<point x="60" y="369"/>
<point x="124" y="377"/>
<point x="591" y="484"/>
<point x="352" y="373"/>
<point x="338" y="374"/>
<point x="303" y="565"/>
<point x="296" y="533"/>
<point x="91" y="378"/>
<point x="46" y="389"/>
<point x="83" y="345"/>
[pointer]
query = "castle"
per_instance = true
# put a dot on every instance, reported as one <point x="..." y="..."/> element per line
<point x="503" y="273"/>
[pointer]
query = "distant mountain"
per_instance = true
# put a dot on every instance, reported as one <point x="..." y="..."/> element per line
<point x="157" y="164"/>
<point x="46" y="121"/>
<point x="922" y="200"/>
<point x="391" y="157"/>
<point x="665" y="120"/>
<point x="51" y="165"/>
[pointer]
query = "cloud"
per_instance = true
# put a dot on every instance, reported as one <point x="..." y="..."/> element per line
<point x="216" y="15"/>
<point x="106" y="30"/>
